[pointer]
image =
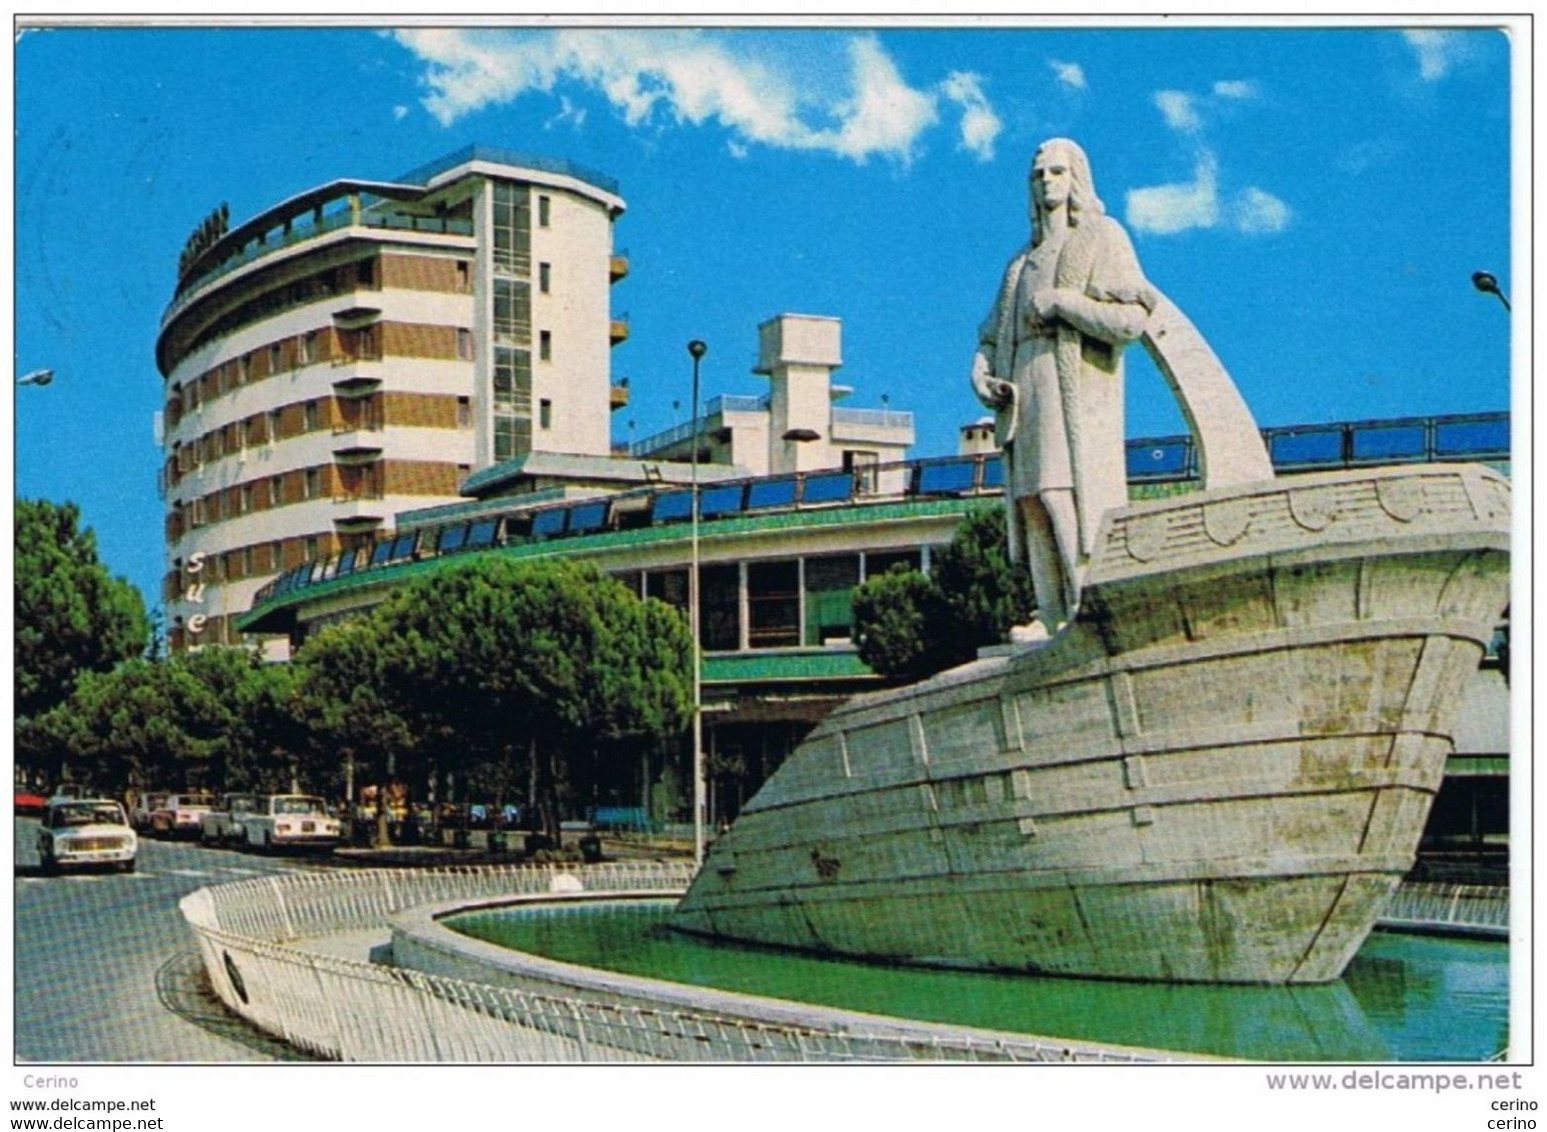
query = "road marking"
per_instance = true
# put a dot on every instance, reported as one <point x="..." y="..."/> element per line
<point x="187" y="872"/>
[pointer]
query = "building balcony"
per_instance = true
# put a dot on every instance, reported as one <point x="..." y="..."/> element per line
<point x="357" y="375"/>
<point x="617" y="329"/>
<point x="359" y="511"/>
<point x="882" y="426"/>
<point x="357" y="443"/>
<point x="617" y="266"/>
<point x="359" y="308"/>
<point x="618" y="394"/>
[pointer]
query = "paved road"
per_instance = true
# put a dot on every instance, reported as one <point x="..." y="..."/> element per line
<point x="106" y="970"/>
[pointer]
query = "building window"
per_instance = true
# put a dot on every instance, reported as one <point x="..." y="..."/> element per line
<point x="276" y="358"/>
<point x="274" y="421"/>
<point x="670" y="586"/>
<point x="464" y="344"/>
<point x="311" y="548"/>
<point x="512" y="228"/>
<point x="246" y="503"/>
<point x="313" y="483"/>
<point x="544" y="211"/>
<point x="247" y="562"/>
<point x="864" y="465"/>
<point x="719" y="618"/>
<point x="308" y="347"/>
<point x="464" y="413"/>
<point x="365" y="273"/>
<point x="545" y="345"/>
<point x="464" y="276"/>
<point x="275" y="493"/>
<point x="830" y="586"/>
<point x="878" y="564"/>
<point x="244" y="369"/>
<point x="545" y="413"/>
<point x="312" y="415"/>
<point x="512" y="312"/>
<point x="512" y="437"/>
<point x="513" y="380"/>
<point x="773" y="604"/>
<point x="544" y="277"/>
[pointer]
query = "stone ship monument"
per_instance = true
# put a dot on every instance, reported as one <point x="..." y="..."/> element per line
<point x="1211" y="757"/>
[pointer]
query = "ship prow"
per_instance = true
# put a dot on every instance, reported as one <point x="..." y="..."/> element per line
<point x="1217" y="773"/>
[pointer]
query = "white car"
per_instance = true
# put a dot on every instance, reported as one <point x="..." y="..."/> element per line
<point x="291" y="821"/>
<point x="79" y="832"/>
<point x="180" y="815"/>
<point x="223" y="825"/>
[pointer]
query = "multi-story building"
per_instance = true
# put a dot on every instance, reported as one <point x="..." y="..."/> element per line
<point x="363" y="347"/>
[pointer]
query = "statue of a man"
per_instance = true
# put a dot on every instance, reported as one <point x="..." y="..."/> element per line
<point x="1050" y="364"/>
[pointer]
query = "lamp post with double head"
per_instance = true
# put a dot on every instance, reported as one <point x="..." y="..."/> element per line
<point x="697" y="349"/>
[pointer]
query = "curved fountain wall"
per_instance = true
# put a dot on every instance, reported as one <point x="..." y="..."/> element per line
<point x="285" y="953"/>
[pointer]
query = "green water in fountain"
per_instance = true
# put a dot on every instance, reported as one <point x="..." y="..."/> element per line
<point x="1404" y="997"/>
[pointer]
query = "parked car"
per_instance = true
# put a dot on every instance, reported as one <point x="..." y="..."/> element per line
<point x="181" y="815"/>
<point x="223" y="824"/>
<point x="143" y="806"/>
<point x="291" y="821"/>
<point x="79" y="832"/>
<point x="29" y="803"/>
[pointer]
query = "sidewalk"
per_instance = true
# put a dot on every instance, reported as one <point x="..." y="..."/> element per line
<point x="625" y="848"/>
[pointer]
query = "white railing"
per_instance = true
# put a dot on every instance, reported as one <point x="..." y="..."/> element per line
<point x="352" y="1010"/>
<point x="1475" y="908"/>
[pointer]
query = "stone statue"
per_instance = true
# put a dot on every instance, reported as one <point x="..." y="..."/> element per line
<point x="1050" y="363"/>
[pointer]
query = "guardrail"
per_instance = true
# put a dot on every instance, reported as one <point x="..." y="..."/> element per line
<point x="1464" y="909"/>
<point x="349" y="1010"/>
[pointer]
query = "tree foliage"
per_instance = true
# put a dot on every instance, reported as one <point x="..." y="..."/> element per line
<point x="189" y="720"/>
<point x="72" y="617"/>
<point x="909" y="626"/>
<point x="495" y="662"/>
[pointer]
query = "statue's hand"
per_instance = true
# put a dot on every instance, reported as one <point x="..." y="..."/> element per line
<point x="1047" y="305"/>
<point x="997" y="395"/>
<point x="994" y="393"/>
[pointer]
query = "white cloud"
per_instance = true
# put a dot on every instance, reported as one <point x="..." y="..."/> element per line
<point x="883" y="115"/>
<point x="399" y="113"/>
<point x="1436" y="51"/>
<point x="980" y="125"/>
<point x="1257" y="212"/>
<point x="661" y="76"/>
<point x="1070" y="74"/>
<point x="568" y="113"/>
<point x="1179" y="110"/>
<point x="1235" y="88"/>
<point x="1164" y="210"/>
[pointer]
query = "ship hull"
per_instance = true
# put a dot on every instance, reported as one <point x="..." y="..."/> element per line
<point x="1218" y="773"/>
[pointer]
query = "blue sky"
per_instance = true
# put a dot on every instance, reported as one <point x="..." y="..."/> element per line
<point x="1315" y="199"/>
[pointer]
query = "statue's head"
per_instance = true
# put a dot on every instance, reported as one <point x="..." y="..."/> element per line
<point x="1060" y="174"/>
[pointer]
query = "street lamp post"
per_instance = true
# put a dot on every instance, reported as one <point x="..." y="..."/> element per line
<point x="697" y="349"/>
<point x="1488" y="284"/>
